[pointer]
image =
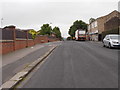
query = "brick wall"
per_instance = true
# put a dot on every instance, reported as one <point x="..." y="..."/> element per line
<point x="16" y="41"/>
<point x="19" y="44"/>
<point x="41" y="39"/>
<point x="6" y="47"/>
<point x="30" y="43"/>
<point x="101" y="24"/>
<point x="112" y="24"/>
<point x="53" y="39"/>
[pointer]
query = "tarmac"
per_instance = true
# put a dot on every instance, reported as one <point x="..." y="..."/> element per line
<point x="9" y="60"/>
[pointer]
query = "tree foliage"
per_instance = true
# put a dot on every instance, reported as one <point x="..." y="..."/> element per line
<point x="78" y="24"/>
<point x="33" y="32"/>
<point x="91" y="20"/>
<point x="69" y="38"/>
<point x="57" y="32"/>
<point x="46" y="29"/>
<point x="72" y="31"/>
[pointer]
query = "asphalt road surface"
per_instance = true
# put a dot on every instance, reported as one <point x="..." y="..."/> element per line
<point x="16" y="61"/>
<point x="77" y="65"/>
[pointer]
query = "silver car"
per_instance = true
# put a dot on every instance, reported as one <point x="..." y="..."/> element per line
<point x="111" y="40"/>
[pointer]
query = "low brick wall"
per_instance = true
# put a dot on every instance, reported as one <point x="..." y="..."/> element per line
<point x="6" y="47"/>
<point x="19" y="44"/>
<point x="41" y="39"/>
<point x="30" y="43"/>
<point x="14" y="39"/>
<point x="52" y="40"/>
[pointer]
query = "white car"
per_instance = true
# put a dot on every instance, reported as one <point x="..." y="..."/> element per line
<point x="111" y="40"/>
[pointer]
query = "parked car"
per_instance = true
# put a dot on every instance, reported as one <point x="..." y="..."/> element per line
<point x="111" y="40"/>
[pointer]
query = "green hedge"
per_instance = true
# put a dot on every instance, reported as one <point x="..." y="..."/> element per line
<point x="114" y="31"/>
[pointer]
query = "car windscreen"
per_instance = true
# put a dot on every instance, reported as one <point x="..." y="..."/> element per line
<point x="114" y="37"/>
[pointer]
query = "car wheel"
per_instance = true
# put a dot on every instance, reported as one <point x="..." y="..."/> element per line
<point x="109" y="45"/>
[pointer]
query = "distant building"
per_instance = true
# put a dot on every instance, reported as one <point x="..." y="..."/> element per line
<point x="101" y="24"/>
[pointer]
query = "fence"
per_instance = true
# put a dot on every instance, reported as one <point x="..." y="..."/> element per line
<point x="14" y="39"/>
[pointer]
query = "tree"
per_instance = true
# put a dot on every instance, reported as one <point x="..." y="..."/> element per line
<point x="91" y="20"/>
<point x="33" y="32"/>
<point x="78" y="24"/>
<point x="45" y="30"/>
<point x="72" y="31"/>
<point x="69" y="38"/>
<point x="57" y="32"/>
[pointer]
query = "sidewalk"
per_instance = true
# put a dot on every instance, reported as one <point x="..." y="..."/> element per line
<point x="16" y="55"/>
<point x="16" y="61"/>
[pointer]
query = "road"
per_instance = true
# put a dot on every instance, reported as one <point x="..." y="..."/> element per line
<point x="14" y="62"/>
<point x="77" y="65"/>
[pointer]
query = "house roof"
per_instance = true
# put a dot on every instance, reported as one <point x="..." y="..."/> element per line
<point x="115" y="11"/>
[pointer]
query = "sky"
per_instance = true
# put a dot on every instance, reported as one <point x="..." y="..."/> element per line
<point x="32" y="14"/>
